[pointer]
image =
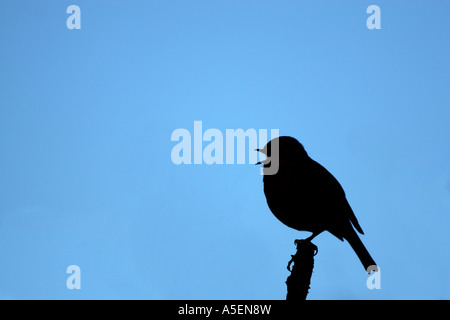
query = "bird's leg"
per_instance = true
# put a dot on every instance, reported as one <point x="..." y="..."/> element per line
<point x="303" y="247"/>
<point x="309" y="239"/>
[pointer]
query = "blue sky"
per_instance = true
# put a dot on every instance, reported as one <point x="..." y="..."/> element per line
<point x="86" y="117"/>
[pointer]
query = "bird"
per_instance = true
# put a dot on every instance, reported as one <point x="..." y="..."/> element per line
<point x="305" y="196"/>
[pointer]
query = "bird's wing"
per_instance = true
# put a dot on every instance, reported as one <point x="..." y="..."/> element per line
<point x="334" y="192"/>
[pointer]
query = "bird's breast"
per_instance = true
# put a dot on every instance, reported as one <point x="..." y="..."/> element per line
<point x="291" y="201"/>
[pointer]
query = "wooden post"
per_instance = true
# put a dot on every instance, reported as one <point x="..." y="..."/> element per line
<point x="298" y="282"/>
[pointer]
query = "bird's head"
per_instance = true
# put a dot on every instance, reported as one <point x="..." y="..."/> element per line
<point x="283" y="148"/>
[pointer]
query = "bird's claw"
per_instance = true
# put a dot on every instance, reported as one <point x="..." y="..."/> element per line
<point x="290" y="262"/>
<point x="308" y="242"/>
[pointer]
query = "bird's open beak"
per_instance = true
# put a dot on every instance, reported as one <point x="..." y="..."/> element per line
<point x="264" y="161"/>
<point x="259" y="150"/>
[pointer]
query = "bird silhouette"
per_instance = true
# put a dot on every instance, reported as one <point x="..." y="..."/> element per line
<point x="304" y="196"/>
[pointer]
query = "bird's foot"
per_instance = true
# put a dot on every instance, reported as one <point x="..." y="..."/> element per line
<point x="290" y="262"/>
<point x="306" y="243"/>
<point x="304" y="246"/>
<point x="309" y="239"/>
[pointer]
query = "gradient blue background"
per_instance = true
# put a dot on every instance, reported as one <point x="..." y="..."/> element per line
<point x="86" y="117"/>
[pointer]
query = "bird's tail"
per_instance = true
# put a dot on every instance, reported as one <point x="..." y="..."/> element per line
<point x="359" y="248"/>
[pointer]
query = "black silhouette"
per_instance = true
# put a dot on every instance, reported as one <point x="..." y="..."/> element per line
<point x="298" y="282"/>
<point x="305" y="196"/>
